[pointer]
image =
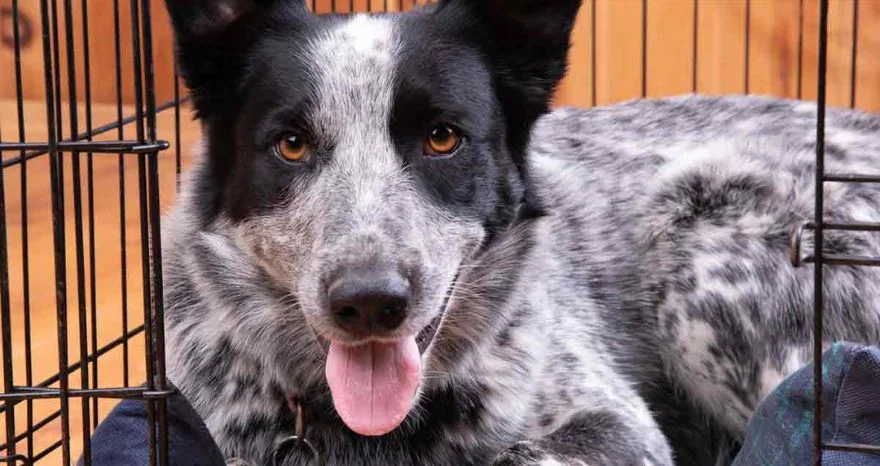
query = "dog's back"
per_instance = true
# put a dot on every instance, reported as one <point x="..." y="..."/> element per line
<point x="677" y="216"/>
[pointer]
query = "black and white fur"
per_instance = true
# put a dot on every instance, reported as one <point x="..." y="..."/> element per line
<point x="624" y="292"/>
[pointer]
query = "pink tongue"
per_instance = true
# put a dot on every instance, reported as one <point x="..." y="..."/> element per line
<point x="373" y="385"/>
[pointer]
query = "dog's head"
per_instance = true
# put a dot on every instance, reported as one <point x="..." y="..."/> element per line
<point x="363" y="160"/>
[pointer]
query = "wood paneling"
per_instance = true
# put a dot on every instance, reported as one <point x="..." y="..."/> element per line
<point x="670" y="48"/>
<point x="102" y="51"/>
<point x="840" y="31"/>
<point x="578" y="87"/>
<point x="781" y="49"/>
<point x="868" y="62"/>
<point x="773" y="47"/>
<point x="619" y="70"/>
<point x="781" y="34"/>
<point x="721" y="47"/>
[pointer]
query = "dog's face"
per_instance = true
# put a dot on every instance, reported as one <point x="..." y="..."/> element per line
<point x="362" y="161"/>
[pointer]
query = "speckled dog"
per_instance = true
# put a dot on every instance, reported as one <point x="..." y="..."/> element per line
<point x="388" y="231"/>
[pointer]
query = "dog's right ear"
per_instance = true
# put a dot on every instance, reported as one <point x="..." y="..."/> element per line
<point x="212" y="38"/>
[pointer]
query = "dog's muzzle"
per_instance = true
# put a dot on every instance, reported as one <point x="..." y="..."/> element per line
<point x="426" y="336"/>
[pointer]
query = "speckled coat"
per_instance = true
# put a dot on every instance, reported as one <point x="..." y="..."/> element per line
<point x="610" y="286"/>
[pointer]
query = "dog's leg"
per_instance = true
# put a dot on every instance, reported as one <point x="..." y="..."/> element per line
<point x="735" y="317"/>
<point x="617" y="432"/>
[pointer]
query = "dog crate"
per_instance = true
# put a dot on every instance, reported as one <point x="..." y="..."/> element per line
<point x="94" y="132"/>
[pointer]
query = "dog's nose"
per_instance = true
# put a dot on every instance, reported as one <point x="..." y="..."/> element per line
<point x="370" y="301"/>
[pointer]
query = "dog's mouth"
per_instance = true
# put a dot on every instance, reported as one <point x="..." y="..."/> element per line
<point x="423" y="339"/>
<point x="374" y="385"/>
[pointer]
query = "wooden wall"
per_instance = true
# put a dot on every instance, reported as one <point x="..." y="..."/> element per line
<point x="653" y="48"/>
<point x="723" y="46"/>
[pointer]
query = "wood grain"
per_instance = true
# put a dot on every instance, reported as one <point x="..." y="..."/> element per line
<point x="102" y="51"/>
<point x="618" y="50"/>
<point x="776" y="57"/>
<point x="670" y="48"/>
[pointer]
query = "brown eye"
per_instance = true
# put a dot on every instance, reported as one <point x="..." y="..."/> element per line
<point x="442" y="140"/>
<point x="291" y="148"/>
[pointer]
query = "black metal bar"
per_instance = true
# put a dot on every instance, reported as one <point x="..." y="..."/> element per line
<point x="56" y="69"/>
<point x="25" y="243"/>
<point x="854" y="54"/>
<point x="800" y="57"/>
<point x="854" y="226"/>
<point x="644" y="48"/>
<point x="15" y="459"/>
<point x="33" y="393"/>
<point x="748" y="44"/>
<point x="5" y="316"/>
<point x="593" y="50"/>
<point x="96" y="147"/>
<point x="48" y="451"/>
<point x="144" y="219"/>
<point x="93" y="357"/>
<point x="157" y="311"/>
<point x="694" y="51"/>
<point x="864" y="226"/>
<point x="852" y="178"/>
<point x="57" y="189"/>
<point x="39" y="425"/>
<point x="79" y="234"/>
<point x="122" y="231"/>
<point x="835" y="259"/>
<point x="177" y="142"/>
<point x="90" y="198"/>
<point x="98" y="131"/>
<point x="819" y="222"/>
<point x="853" y="447"/>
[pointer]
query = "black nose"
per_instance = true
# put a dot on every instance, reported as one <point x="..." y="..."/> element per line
<point x="368" y="301"/>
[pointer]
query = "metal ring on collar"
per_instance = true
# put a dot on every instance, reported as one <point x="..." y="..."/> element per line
<point x="289" y="444"/>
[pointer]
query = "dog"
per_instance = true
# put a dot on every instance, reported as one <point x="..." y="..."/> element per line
<point x="392" y="250"/>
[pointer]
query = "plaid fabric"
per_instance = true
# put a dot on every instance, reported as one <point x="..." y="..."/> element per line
<point x="781" y="431"/>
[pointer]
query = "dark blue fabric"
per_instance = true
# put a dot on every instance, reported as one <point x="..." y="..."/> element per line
<point x="781" y="430"/>
<point x="121" y="439"/>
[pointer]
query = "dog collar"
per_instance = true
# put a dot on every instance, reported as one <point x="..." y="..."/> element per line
<point x="296" y="442"/>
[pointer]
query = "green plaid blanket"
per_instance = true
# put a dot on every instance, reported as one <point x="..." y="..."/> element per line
<point x="781" y="431"/>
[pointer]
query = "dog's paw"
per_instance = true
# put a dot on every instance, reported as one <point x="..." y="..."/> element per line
<point x="238" y="462"/>
<point x="531" y="454"/>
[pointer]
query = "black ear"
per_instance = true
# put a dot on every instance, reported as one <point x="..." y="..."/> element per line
<point x="527" y="44"/>
<point x="527" y="41"/>
<point x="212" y="38"/>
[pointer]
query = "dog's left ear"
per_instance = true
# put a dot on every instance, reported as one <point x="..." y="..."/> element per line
<point x="212" y="38"/>
<point x="527" y="43"/>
